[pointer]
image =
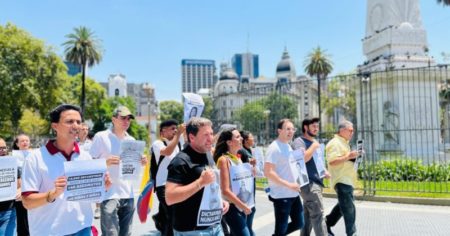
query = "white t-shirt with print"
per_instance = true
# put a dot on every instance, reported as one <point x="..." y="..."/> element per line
<point x="279" y="154"/>
<point x="161" y="176"/>
<point x="104" y="145"/>
<point x="61" y="217"/>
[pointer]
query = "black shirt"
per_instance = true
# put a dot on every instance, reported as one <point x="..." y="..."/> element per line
<point x="313" y="174"/>
<point x="185" y="168"/>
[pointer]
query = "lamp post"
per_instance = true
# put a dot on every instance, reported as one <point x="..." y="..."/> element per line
<point x="149" y="91"/>
<point x="266" y="115"/>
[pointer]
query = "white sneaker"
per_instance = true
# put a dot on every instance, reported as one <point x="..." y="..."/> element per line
<point x="97" y="213"/>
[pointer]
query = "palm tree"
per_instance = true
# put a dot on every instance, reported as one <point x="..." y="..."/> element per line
<point x="83" y="48"/>
<point x="444" y="2"/>
<point x="318" y="64"/>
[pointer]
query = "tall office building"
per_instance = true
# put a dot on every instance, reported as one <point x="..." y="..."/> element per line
<point x="197" y="74"/>
<point x="246" y="65"/>
<point x="73" y="69"/>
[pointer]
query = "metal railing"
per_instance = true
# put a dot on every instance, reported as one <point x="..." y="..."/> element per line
<point x="402" y="116"/>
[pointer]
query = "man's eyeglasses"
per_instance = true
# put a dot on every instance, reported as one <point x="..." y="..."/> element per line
<point x="3" y="148"/>
<point x="127" y="118"/>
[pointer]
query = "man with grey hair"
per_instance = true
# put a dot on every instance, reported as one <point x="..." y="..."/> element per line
<point x="188" y="174"/>
<point x="343" y="177"/>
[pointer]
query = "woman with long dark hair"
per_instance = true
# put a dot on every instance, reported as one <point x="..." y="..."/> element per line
<point x="234" y="179"/>
<point x="22" y="143"/>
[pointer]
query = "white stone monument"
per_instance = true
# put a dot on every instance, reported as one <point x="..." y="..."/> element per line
<point x="400" y="105"/>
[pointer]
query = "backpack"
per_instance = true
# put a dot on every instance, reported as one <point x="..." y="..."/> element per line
<point x="154" y="166"/>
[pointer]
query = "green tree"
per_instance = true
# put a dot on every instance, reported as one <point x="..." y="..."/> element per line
<point x="104" y="115"/>
<point x="83" y="48"/>
<point x="95" y="95"/>
<point x="30" y="77"/>
<point x="341" y="96"/>
<point x="209" y="108"/>
<point x="171" y="110"/>
<point x="318" y="64"/>
<point x="251" y="116"/>
<point x="32" y="124"/>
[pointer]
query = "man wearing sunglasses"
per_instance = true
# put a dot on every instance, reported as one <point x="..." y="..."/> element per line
<point x="116" y="211"/>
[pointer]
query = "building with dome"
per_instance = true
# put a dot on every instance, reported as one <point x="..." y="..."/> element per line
<point x="230" y="94"/>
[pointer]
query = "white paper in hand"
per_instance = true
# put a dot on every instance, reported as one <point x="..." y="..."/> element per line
<point x="85" y="180"/>
<point x="193" y="106"/>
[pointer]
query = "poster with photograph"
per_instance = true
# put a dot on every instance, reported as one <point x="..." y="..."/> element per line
<point x="259" y="156"/>
<point x="193" y="106"/>
<point x="242" y="182"/>
<point x="319" y="160"/>
<point x="360" y="149"/>
<point x="210" y="211"/>
<point x="85" y="180"/>
<point x="8" y="178"/>
<point x="299" y="167"/>
<point x="130" y="158"/>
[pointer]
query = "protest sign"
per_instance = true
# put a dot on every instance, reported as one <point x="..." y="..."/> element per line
<point x="193" y="106"/>
<point x="242" y="183"/>
<point x="85" y="180"/>
<point x="210" y="211"/>
<point x="318" y="158"/>
<point x="299" y="167"/>
<point x="8" y="178"/>
<point x="259" y="156"/>
<point x="130" y="158"/>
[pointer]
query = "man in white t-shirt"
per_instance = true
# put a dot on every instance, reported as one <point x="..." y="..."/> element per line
<point x="164" y="151"/>
<point x="116" y="211"/>
<point x="284" y="190"/>
<point x="43" y="180"/>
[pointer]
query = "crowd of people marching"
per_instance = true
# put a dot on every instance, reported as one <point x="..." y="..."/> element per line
<point x="205" y="182"/>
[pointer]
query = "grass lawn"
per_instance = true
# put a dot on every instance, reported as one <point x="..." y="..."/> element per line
<point x="396" y="189"/>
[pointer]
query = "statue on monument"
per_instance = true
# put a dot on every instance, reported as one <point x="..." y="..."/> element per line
<point x="390" y="125"/>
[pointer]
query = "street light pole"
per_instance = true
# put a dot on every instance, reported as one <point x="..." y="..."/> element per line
<point x="149" y="91"/>
<point x="266" y="115"/>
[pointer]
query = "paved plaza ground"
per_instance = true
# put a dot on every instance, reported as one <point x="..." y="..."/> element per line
<point x="373" y="218"/>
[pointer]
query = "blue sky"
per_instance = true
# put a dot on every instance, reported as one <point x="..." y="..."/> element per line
<point x="146" y="40"/>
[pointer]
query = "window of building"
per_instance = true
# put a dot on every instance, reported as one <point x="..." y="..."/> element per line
<point x="116" y="92"/>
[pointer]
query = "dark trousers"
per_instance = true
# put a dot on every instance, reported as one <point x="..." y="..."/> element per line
<point x="240" y="224"/>
<point x="164" y="212"/>
<point x="345" y="207"/>
<point x="22" y="219"/>
<point x="285" y="208"/>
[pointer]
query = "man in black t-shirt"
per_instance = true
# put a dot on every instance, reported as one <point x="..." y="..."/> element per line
<point x="312" y="192"/>
<point x="187" y="177"/>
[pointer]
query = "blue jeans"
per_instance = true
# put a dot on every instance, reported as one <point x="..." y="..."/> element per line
<point x="84" y="232"/>
<point x="116" y="216"/>
<point x="214" y="230"/>
<point x="8" y="222"/>
<point x="285" y="208"/>
<point x="345" y="207"/>
<point x="240" y="224"/>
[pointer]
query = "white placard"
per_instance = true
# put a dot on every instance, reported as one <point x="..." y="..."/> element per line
<point x="193" y="106"/>
<point x="130" y="158"/>
<point x="319" y="156"/>
<point x="259" y="156"/>
<point x="85" y="180"/>
<point x="299" y="168"/>
<point x="360" y="149"/>
<point x="242" y="183"/>
<point x="210" y="211"/>
<point x="8" y="178"/>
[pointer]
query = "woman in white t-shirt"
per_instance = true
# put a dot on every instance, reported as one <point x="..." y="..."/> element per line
<point x="235" y="182"/>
